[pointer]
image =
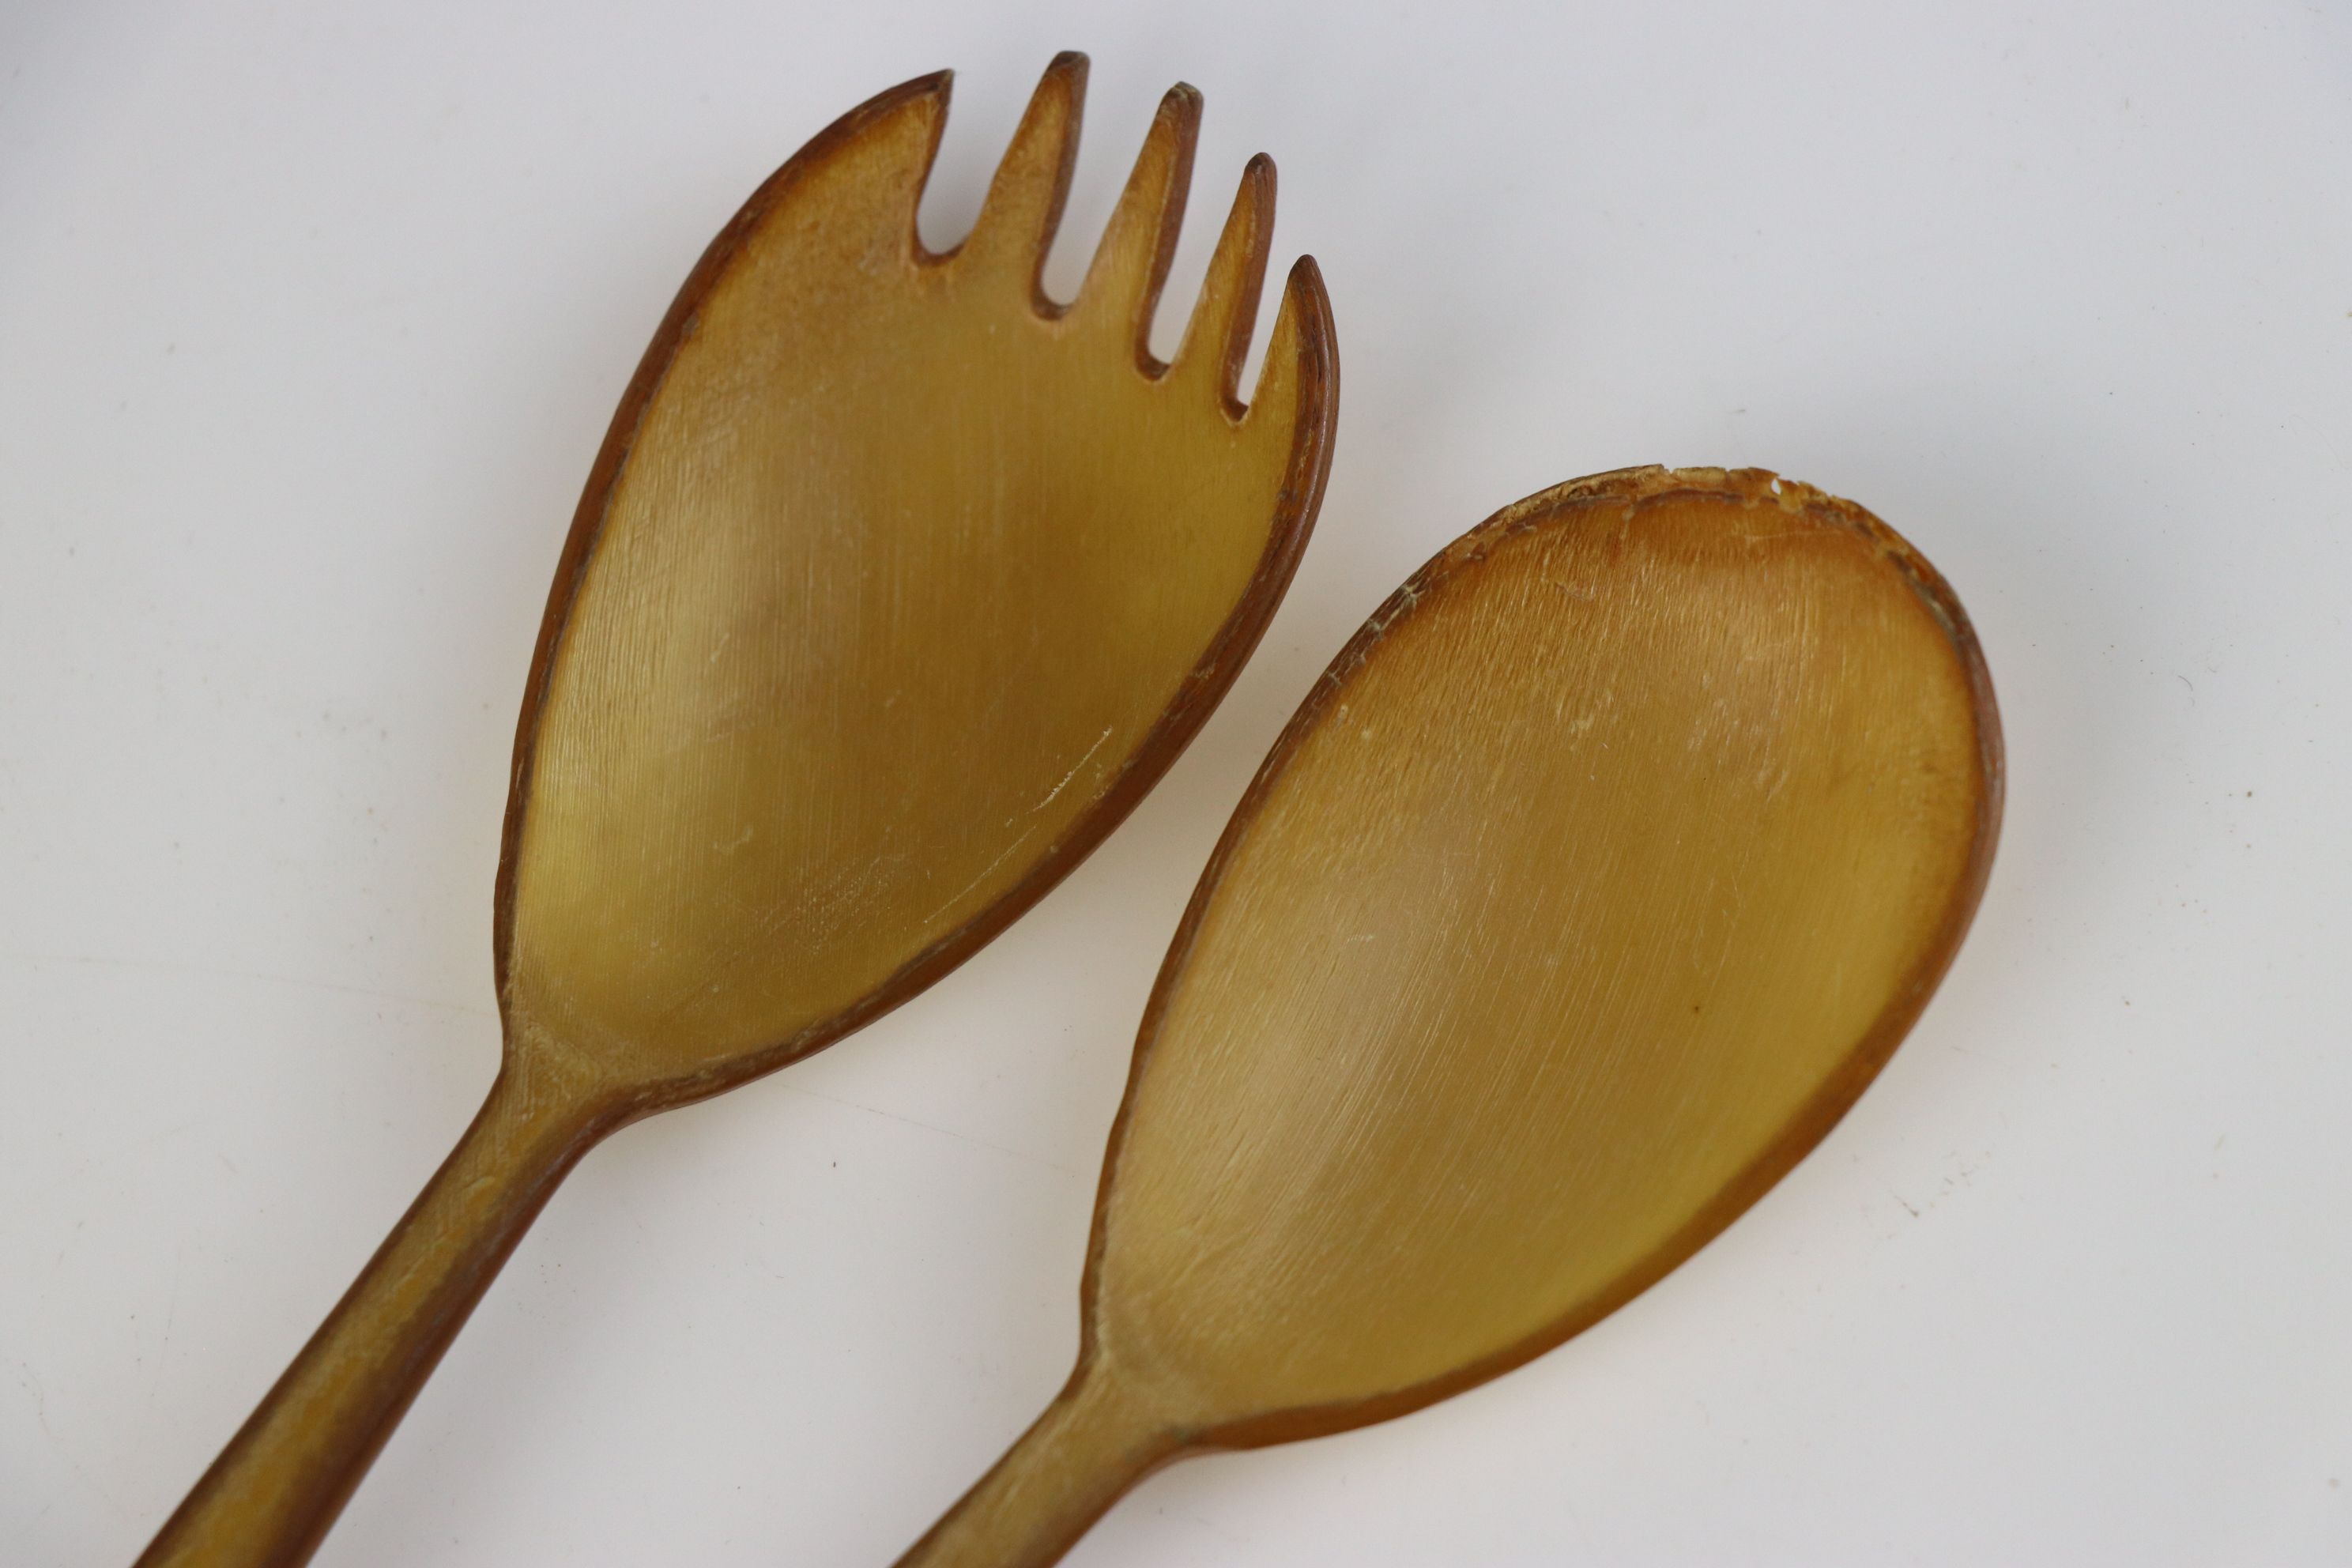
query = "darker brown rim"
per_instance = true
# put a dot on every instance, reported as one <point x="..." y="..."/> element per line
<point x="1564" y="505"/>
<point x="1296" y="506"/>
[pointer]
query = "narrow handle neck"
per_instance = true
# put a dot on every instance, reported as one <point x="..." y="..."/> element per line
<point x="1063" y="1474"/>
<point x="270" y="1497"/>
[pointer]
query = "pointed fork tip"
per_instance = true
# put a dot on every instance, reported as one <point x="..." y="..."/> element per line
<point x="1305" y="297"/>
<point x="1256" y="193"/>
<point x="1302" y="292"/>
<point x="1179" y="113"/>
<point x="1176" y="121"/>
<point x="936" y="86"/>
<point x="1176" y="129"/>
<point x="1130" y="265"/>
<point x="1304" y="342"/>
<point x="1025" y="195"/>
<point x="1058" y="101"/>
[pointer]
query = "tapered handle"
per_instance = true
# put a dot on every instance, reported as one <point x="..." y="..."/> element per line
<point x="270" y="1497"/>
<point x="1080" y="1457"/>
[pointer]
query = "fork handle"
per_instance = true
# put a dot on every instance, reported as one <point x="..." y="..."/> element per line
<point x="270" y="1497"/>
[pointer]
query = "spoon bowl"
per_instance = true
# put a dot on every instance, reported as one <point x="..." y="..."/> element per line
<point x="1595" y="881"/>
<point x="895" y="586"/>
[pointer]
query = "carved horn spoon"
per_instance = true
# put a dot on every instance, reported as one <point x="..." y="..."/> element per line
<point x="1598" y="876"/>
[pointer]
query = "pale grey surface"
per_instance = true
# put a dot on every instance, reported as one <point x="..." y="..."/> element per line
<point x="310" y="325"/>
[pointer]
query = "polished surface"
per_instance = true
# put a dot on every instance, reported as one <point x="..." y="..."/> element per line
<point x="893" y="589"/>
<point x="1599" y="876"/>
<point x="905" y="570"/>
<point x="311" y="322"/>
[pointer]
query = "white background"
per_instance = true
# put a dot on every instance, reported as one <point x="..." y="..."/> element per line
<point x="310" y="320"/>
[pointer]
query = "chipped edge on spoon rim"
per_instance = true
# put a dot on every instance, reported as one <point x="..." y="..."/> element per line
<point x="1196" y="697"/>
<point x="1839" y="1091"/>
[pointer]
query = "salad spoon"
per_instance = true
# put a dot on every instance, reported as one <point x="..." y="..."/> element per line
<point x="1594" y="881"/>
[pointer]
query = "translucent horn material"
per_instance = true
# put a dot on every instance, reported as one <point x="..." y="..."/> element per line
<point x="1022" y="210"/>
<point x="1595" y="881"/>
<point x="890" y="594"/>
<point x="1124" y="282"/>
<point x="1217" y="338"/>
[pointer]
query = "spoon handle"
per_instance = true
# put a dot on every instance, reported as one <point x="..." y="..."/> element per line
<point x="272" y="1494"/>
<point x="1089" y="1446"/>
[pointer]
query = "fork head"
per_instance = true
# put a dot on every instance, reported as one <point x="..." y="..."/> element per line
<point x="894" y="588"/>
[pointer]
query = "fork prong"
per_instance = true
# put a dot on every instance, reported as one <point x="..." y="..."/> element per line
<point x="1132" y="265"/>
<point x="902" y="126"/>
<point x="1024" y="206"/>
<point x="1217" y="338"/>
<point x="1299" y="380"/>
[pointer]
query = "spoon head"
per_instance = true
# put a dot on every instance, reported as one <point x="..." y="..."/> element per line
<point x="894" y="588"/>
<point x="1599" y="875"/>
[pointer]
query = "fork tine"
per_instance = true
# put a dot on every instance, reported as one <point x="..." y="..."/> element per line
<point x="903" y="127"/>
<point x="1024" y="207"/>
<point x="1217" y="338"/>
<point x="1301" y="377"/>
<point x="1132" y="265"/>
